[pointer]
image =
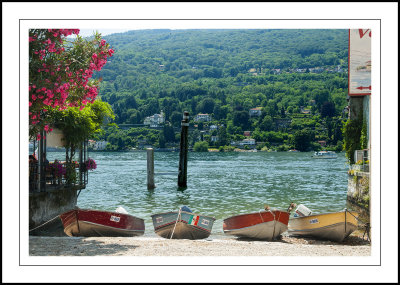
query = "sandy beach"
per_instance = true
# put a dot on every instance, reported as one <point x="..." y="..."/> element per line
<point x="154" y="246"/>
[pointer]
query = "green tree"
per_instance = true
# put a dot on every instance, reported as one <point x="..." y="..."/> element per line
<point x="328" y="109"/>
<point x="352" y="138"/>
<point x="168" y="133"/>
<point x="266" y="123"/>
<point x="223" y="136"/>
<point x="80" y="125"/>
<point x="302" y="140"/>
<point x="60" y="73"/>
<point x="206" y="106"/>
<point x="241" y="119"/>
<point x="320" y="96"/>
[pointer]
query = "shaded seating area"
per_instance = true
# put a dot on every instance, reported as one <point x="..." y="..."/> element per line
<point x="45" y="175"/>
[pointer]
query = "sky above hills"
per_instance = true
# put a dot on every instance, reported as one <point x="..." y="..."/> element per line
<point x="104" y="32"/>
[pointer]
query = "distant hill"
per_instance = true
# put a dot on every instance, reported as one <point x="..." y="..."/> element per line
<point x="229" y="51"/>
<point x="225" y="73"/>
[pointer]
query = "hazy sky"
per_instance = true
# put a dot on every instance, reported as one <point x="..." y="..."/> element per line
<point x="104" y="32"/>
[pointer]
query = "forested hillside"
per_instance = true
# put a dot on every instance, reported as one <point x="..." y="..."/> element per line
<point x="299" y="75"/>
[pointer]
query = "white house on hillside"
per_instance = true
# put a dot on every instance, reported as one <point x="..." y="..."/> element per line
<point x="155" y="120"/>
<point x="255" y="112"/>
<point x="202" y="118"/>
<point x="248" y="142"/>
<point x="97" y="145"/>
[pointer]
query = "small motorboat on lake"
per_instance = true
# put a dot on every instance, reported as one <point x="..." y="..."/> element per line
<point x="325" y="154"/>
<point x="265" y="225"/>
<point x="330" y="226"/>
<point x="182" y="224"/>
<point x="94" y="223"/>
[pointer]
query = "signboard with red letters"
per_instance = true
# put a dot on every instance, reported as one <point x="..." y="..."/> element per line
<point x="359" y="62"/>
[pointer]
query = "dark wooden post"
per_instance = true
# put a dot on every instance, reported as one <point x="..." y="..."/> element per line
<point x="81" y="163"/>
<point x="41" y="163"/>
<point x="183" y="154"/>
<point x="150" y="169"/>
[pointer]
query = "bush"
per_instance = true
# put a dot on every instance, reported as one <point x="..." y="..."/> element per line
<point x="352" y="134"/>
<point x="201" y="146"/>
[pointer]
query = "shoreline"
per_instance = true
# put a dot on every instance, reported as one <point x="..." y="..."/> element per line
<point x="354" y="245"/>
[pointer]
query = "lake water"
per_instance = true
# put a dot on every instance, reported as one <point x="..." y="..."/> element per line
<point x="219" y="184"/>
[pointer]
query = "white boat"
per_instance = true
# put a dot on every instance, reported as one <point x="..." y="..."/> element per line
<point x="324" y="154"/>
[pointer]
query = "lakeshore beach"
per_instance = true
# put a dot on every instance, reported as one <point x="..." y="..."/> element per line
<point x="354" y="245"/>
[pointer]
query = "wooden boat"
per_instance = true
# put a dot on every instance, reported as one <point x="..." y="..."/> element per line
<point x="265" y="225"/>
<point x="331" y="226"/>
<point x="182" y="225"/>
<point x="94" y="223"/>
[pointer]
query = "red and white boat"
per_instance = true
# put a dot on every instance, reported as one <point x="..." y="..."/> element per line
<point x="94" y="223"/>
<point x="265" y="224"/>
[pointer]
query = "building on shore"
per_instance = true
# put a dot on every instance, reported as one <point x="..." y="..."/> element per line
<point x="250" y="143"/>
<point x="155" y="120"/>
<point x="97" y="145"/>
<point x="359" y="101"/>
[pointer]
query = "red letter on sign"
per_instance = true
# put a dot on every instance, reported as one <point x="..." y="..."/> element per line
<point x="362" y="34"/>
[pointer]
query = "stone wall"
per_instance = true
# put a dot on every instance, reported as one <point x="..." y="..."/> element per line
<point x="367" y="116"/>
<point x="44" y="206"/>
<point x="356" y="107"/>
<point x="358" y="191"/>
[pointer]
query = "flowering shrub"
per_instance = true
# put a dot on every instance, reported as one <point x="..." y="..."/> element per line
<point x="90" y="164"/>
<point x="59" y="73"/>
<point x="58" y="169"/>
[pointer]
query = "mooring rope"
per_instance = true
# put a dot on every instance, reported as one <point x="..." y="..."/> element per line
<point x="367" y="226"/>
<point x="179" y="214"/>
<point x="44" y="224"/>
<point x="259" y="212"/>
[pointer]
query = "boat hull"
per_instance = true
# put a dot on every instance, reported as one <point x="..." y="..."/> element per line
<point x="93" y="223"/>
<point x="325" y="155"/>
<point x="186" y="226"/>
<point x="331" y="226"/>
<point x="263" y="225"/>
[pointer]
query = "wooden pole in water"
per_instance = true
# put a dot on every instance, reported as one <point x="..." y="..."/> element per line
<point x="150" y="169"/>
<point x="183" y="154"/>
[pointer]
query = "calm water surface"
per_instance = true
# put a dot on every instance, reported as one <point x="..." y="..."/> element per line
<point x="219" y="184"/>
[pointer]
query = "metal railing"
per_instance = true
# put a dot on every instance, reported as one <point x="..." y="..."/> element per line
<point x="57" y="175"/>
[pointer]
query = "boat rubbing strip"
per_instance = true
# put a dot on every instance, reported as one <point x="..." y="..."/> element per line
<point x="105" y="226"/>
<point x="317" y="229"/>
<point x="171" y="223"/>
